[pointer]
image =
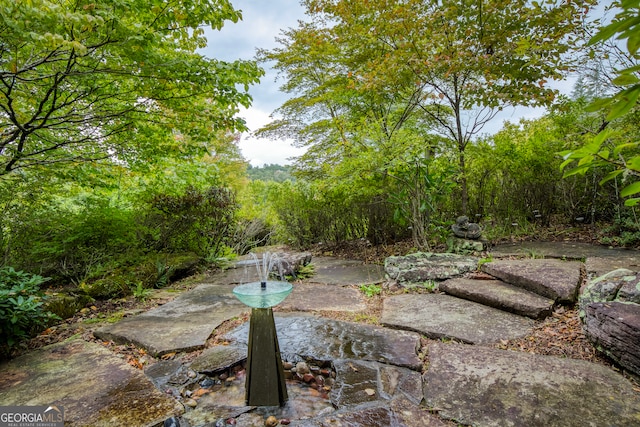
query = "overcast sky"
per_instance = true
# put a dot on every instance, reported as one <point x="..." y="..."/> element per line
<point x="262" y="22"/>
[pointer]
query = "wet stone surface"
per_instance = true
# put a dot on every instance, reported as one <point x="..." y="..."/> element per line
<point x="325" y="339"/>
<point x="397" y="413"/>
<point x="219" y="358"/>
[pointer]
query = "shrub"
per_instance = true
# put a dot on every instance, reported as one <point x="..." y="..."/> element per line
<point x="21" y="307"/>
<point x="198" y="221"/>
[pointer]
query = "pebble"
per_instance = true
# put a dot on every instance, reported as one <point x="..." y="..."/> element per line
<point x="320" y="380"/>
<point x="370" y="391"/>
<point x="171" y="422"/>
<point x="308" y="378"/>
<point x="207" y="383"/>
<point x="285" y="421"/>
<point x="287" y="365"/>
<point x="302" y="368"/>
<point x="191" y="403"/>
<point x="325" y="372"/>
<point x="231" y="421"/>
<point x="192" y="374"/>
<point x="223" y="376"/>
<point x="271" y="421"/>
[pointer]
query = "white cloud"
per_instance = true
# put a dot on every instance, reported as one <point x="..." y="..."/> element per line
<point x="261" y="23"/>
<point x="261" y="151"/>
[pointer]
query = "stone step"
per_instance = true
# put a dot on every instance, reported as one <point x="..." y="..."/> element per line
<point x="552" y="278"/>
<point x="444" y="316"/>
<point x="500" y="295"/>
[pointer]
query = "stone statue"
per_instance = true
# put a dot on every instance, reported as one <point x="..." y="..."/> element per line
<point x="465" y="229"/>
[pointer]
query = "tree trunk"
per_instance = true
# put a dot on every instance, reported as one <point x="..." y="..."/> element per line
<point x="463" y="182"/>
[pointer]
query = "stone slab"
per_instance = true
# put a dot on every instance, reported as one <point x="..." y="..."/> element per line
<point x="399" y="413"/>
<point x="183" y="324"/>
<point x="598" y="266"/>
<point x="551" y="278"/>
<point x="444" y="316"/>
<point x="359" y="382"/>
<point x="559" y="249"/>
<point x="598" y="259"/>
<point x="321" y="297"/>
<point x="219" y="358"/>
<point x="614" y="328"/>
<point x="95" y="387"/>
<point x="333" y="271"/>
<point x="423" y="266"/>
<point x="326" y="339"/>
<point x="500" y="295"/>
<point x="489" y="387"/>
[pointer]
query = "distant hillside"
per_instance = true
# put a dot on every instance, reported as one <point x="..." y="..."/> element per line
<point x="271" y="172"/>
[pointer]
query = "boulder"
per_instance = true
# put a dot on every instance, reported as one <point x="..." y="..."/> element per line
<point x="618" y="285"/>
<point x="419" y="267"/>
<point x="292" y="262"/>
<point x="610" y="311"/>
<point x="614" y="328"/>
<point x="458" y="245"/>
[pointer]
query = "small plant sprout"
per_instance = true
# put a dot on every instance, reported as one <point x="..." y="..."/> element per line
<point x="371" y="290"/>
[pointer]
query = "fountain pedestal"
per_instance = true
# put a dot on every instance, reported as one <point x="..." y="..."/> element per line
<point x="265" y="384"/>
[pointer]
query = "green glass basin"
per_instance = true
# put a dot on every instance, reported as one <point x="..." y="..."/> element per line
<point x="256" y="296"/>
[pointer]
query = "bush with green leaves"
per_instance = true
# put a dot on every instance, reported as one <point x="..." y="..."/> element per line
<point x="22" y="310"/>
<point x="197" y="220"/>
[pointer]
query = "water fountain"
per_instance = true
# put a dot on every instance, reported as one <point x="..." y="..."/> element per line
<point x="265" y="384"/>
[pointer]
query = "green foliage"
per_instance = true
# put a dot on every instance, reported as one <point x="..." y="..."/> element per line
<point x="305" y="272"/>
<point x="198" y="221"/>
<point x="271" y="172"/>
<point x="120" y="79"/>
<point x="376" y="78"/>
<point x="21" y="307"/>
<point x="371" y="290"/>
<point x="140" y="292"/>
<point x="74" y="241"/>
<point x="483" y="261"/>
<point x="611" y="146"/>
<point x="624" y="231"/>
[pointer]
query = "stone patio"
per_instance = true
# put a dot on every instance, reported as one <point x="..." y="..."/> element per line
<point x="380" y="379"/>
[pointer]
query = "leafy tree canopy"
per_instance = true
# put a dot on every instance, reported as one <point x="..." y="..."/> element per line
<point x="612" y="146"/>
<point x="83" y="80"/>
<point x="449" y="66"/>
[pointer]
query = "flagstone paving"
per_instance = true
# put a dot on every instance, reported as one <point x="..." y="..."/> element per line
<point x="183" y="324"/>
<point x="381" y="375"/>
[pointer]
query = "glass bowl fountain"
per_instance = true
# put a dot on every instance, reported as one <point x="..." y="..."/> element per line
<point x="265" y="384"/>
